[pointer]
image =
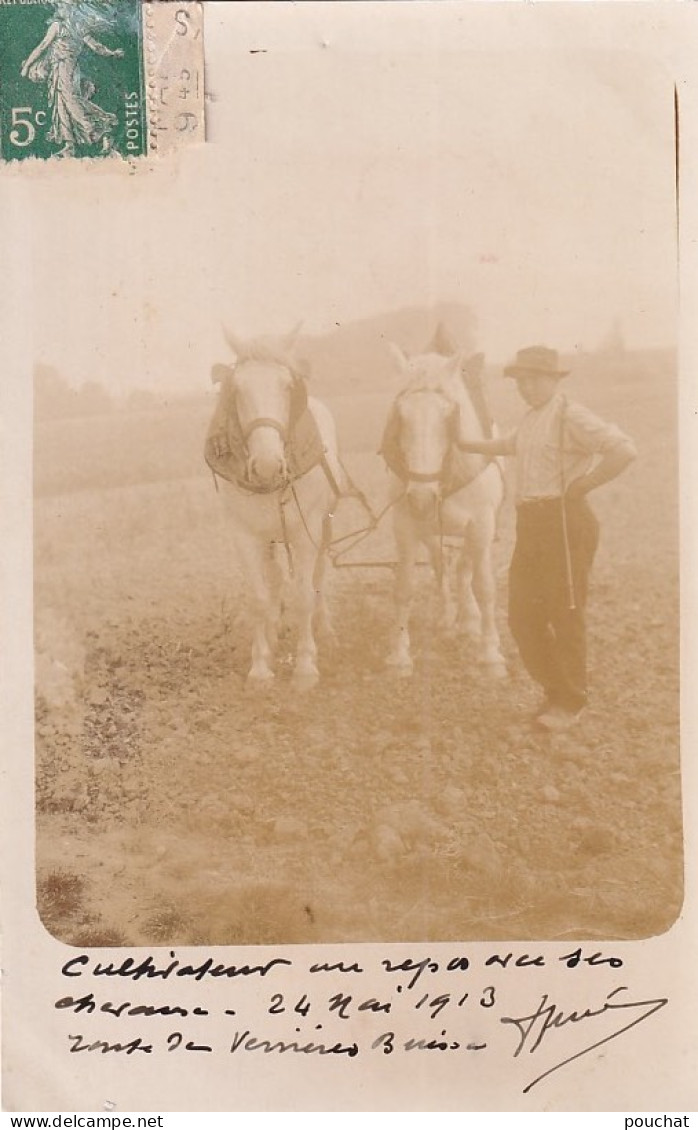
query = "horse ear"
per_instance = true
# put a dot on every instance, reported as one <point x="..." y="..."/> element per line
<point x="236" y="343"/>
<point x="288" y="342"/>
<point x="467" y="366"/>
<point x="442" y="342"/>
<point x="455" y="364"/>
<point x="399" y="356"/>
<point x="220" y="373"/>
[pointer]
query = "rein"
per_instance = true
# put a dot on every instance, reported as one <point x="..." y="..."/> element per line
<point x="349" y="541"/>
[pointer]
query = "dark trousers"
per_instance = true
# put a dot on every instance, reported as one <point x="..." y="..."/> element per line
<point x="550" y="635"/>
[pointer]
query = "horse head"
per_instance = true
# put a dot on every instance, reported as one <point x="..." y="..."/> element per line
<point x="267" y="386"/>
<point x="425" y="424"/>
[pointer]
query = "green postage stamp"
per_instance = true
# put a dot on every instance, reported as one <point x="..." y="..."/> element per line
<point x="98" y="78"/>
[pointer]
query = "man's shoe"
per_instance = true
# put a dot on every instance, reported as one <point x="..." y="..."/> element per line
<point x="557" y="720"/>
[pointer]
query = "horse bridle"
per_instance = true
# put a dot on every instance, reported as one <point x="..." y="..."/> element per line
<point x="296" y="405"/>
<point x="265" y="422"/>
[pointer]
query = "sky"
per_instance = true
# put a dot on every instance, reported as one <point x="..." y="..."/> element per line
<point x="522" y="166"/>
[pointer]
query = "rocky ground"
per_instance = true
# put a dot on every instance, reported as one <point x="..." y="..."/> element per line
<point x="174" y="806"/>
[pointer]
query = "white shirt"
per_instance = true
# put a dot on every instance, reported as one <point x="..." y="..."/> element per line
<point x="556" y="444"/>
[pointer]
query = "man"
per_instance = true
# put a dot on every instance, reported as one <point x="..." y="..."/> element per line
<point x="562" y="453"/>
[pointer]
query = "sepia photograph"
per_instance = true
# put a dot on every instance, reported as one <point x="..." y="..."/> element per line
<point x="348" y="626"/>
<point x="352" y="380"/>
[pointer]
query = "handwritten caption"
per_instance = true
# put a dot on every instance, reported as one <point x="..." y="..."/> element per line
<point x="349" y="1010"/>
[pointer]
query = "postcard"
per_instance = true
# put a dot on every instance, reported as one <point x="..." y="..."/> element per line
<point x="348" y="563"/>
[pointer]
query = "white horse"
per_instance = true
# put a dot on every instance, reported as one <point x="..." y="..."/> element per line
<point x="275" y="451"/>
<point x="440" y="492"/>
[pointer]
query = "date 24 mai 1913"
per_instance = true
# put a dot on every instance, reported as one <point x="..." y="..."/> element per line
<point x="416" y="1006"/>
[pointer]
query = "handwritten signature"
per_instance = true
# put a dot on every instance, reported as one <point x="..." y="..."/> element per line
<point x="533" y="1029"/>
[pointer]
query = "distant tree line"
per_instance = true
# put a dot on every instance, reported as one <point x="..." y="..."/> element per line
<point x="56" y="399"/>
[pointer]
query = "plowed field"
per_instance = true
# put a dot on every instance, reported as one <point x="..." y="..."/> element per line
<point x="174" y="806"/>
